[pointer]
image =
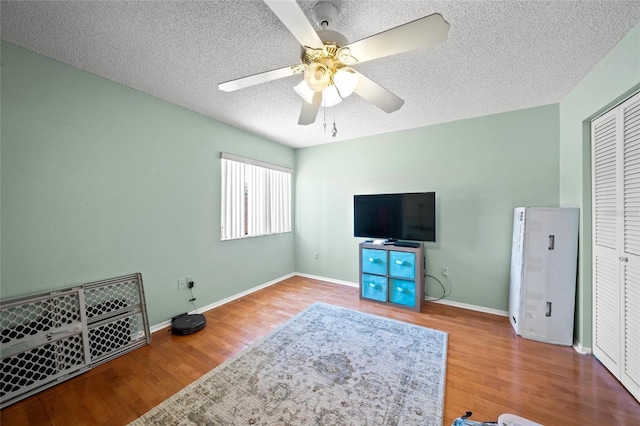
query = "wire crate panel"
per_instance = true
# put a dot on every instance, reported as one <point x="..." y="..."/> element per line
<point x="108" y="296"/>
<point x="116" y="317"/>
<point x="50" y="337"/>
<point x="115" y="336"/>
<point x="30" y="371"/>
<point x="41" y="342"/>
<point x="29" y="317"/>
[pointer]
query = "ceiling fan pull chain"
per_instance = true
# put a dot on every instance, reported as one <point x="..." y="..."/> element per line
<point x="335" y="129"/>
<point x="324" y="119"/>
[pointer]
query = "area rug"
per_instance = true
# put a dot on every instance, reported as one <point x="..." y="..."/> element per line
<point x="325" y="366"/>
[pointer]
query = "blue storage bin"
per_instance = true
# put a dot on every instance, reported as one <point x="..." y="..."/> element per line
<point x="374" y="261"/>
<point x="403" y="292"/>
<point x="402" y="264"/>
<point x="374" y="287"/>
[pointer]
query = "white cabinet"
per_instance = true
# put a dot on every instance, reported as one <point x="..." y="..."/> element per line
<point x="615" y="147"/>
<point x="543" y="273"/>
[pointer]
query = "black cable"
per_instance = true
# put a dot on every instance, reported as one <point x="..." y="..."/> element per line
<point x="424" y="259"/>
<point x="424" y="266"/>
<point x="193" y="300"/>
<point x="444" y="291"/>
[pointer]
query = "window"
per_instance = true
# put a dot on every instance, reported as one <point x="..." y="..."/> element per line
<point x="255" y="198"/>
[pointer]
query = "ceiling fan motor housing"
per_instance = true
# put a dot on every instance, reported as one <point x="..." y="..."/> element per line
<point x="328" y="36"/>
<point x="324" y="14"/>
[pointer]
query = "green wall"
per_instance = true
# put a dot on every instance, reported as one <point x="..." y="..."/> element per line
<point x="613" y="79"/>
<point x="480" y="168"/>
<point x="99" y="180"/>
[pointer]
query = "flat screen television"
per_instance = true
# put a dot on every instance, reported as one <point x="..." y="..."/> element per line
<point x="408" y="216"/>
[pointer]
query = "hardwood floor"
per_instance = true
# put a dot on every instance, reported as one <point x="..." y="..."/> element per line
<point x="490" y="371"/>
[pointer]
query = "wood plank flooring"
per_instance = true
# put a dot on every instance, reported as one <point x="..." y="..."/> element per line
<point x="489" y="370"/>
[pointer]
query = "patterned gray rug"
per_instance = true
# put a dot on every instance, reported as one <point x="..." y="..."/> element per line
<point x="325" y="366"/>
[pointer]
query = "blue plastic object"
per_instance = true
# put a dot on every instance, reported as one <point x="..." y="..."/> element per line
<point x="464" y="421"/>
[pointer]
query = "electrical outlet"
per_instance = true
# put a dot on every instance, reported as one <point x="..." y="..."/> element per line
<point x="316" y="256"/>
<point x="189" y="281"/>
<point x="182" y="283"/>
<point x="445" y="271"/>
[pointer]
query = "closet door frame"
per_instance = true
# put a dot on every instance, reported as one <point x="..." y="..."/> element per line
<point x="616" y="263"/>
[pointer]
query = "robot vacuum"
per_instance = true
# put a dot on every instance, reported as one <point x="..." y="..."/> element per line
<point x="187" y="323"/>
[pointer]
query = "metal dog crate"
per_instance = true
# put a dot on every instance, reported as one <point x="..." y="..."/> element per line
<point x="50" y="337"/>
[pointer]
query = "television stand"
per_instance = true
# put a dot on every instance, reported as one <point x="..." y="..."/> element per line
<point x="392" y="274"/>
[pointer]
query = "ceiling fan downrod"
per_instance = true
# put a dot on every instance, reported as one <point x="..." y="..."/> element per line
<point x="324" y="14"/>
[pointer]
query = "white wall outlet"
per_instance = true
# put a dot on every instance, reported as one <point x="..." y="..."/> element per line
<point x="316" y="255"/>
<point x="445" y="271"/>
<point x="182" y="283"/>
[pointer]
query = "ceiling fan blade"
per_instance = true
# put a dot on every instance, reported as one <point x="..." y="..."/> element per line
<point x="424" y="32"/>
<point x="295" y="20"/>
<point x="263" y="77"/>
<point x="377" y="95"/>
<point x="310" y="110"/>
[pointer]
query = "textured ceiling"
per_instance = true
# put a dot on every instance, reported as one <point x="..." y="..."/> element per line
<point x="500" y="56"/>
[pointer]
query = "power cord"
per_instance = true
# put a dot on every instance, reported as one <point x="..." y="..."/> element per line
<point x="445" y="293"/>
<point x="191" y="284"/>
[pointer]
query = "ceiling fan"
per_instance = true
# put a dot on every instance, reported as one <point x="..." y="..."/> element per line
<point x="327" y="57"/>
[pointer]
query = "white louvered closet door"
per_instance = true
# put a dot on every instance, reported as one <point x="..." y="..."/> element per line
<point x="630" y="112"/>
<point x="616" y="245"/>
<point x="606" y="228"/>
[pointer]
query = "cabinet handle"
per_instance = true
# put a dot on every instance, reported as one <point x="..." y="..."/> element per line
<point x="401" y="262"/>
<point x="374" y="285"/>
<point x="373" y="260"/>
<point x="401" y="290"/>
<point x="623" y="259"/>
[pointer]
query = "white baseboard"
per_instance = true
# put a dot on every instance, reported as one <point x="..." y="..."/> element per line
<point x="330" y="280"/>
<point x="160" y="326"/>
<point x="469" y="307"/>
<point x="443" y="301"/>
<point x="236" y="296"/>
<point x="581" y="349"/>
<point x="577" y="346"/>
<point x="476" y="308"/>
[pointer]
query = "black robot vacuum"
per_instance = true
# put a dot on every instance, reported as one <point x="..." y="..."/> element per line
<point x="187" y="323"/>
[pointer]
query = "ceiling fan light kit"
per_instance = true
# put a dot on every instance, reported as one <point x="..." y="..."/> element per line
<point x="327" y="57"/>
<point x="317" y="76"/>
<point x="330" y="97"/>
<point x="326" y="73"/>
<point x="345" y="80"/>
<point x="304" y="91"/>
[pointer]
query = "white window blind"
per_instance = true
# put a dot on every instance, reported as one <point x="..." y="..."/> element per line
<point x="255" y="198"/>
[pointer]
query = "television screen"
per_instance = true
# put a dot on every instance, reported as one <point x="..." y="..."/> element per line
<point x="407" y="216"/>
